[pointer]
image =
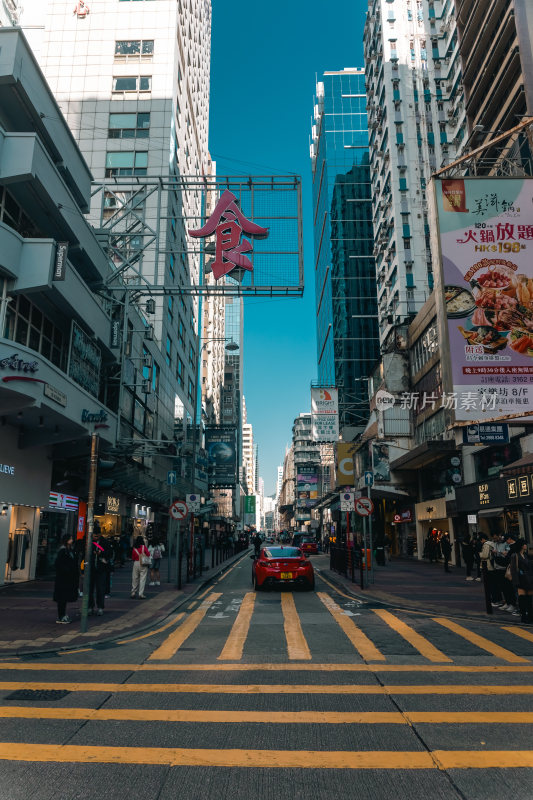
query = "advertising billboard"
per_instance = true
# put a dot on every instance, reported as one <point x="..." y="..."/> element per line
<point x="306" y="486"/>
<point x="221" y="447"/>
<point x="345" y="466"/>
<point x="325" y="414"/>
<point x="486" y="239"/>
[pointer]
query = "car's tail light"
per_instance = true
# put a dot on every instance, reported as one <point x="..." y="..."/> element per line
<point x="263" y="563"/>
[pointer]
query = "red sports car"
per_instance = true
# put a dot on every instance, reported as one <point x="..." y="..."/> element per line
<point x="309" y="546"/>
<point x="282" y="565"/>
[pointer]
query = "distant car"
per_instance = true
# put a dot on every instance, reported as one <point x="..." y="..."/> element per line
<point x="297" y="538"/>
<point x="309" y="546"/>
<point x="280" y="565"/>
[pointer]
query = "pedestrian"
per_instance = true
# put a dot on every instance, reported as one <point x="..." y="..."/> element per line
<point x="257" y="542"/>
<point x="446" y="547"/>
<point x="467" y="551"/>
<point x="522" y="577"/>
<point x="156" y="550"/>
<point x="511" y="601"/>
<point x="66" y="581"/>
<point x="486" y="556"/>
<point x="477" y="545"/>
<point x="99" y="575"/>
<point x="141" y="560"/>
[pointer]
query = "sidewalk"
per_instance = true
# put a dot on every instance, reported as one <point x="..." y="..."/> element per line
<point x="420" y="586"/>
<point x="28" y="613"/>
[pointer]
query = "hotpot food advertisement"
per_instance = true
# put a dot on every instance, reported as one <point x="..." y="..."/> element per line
<point x="486" y="236"/>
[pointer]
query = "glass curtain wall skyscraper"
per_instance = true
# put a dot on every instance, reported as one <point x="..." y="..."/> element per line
<point x="345" y="276"/>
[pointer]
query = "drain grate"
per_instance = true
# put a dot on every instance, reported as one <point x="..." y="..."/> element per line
<point x="38" y="694"/>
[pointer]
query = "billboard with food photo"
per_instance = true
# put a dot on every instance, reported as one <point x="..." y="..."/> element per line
<point x="486" y="237"/>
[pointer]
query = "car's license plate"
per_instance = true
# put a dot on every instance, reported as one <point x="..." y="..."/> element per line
<point x="286" y="576"/>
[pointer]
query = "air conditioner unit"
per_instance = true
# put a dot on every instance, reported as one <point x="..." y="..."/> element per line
<point x="450" y="112"/>
<point x="147" y="360"/>
<point x="147" y="387"/>
<point x="149" y="333"/>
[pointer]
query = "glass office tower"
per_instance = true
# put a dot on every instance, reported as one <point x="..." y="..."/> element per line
<point x="345" y="276"/>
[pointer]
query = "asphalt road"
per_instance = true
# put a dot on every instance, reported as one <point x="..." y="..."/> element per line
<point x="273" y="695"/>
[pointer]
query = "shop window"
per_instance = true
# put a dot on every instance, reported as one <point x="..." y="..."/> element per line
<point x="27" y="325"/>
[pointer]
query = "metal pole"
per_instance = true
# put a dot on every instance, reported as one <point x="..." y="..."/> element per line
<point x="3" y="307"/>
<point x="371" y="542"/>
<point x="365" y="552"/>
<point x="122" y="360"/>
<point x="169" y="532"/>
<point x="178" y="556"/>
<point x="90" y="528"/>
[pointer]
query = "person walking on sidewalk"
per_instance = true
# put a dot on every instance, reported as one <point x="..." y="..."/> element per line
<point x="99" y="575"/>
<point x="522" y="577"/>
<point x="141" y="560"/>
<point x="467" y="551"/>
<point x="156" y="550"/>
<point x="446" y="547"/>
<point x="66" y="582"/>
<point x="486" y="556"/>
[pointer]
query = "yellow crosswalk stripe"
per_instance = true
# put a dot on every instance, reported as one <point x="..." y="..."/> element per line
<point x="366" y="648"/>
<point x="31" y="666"/>
<point x="297" y="647"/>
<point x="481" y="641"/>
<point x="414" y="638"/>
<point x="175" y="640"/>
<point x="269" y="759"/>
<point x="235" y="642"/>
<point x="282" y="688"/>
<point x="272" y="717"/>
<point x="528" y="635"/>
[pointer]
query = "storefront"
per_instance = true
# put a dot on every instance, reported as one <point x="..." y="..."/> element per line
<point x="59" y="517"/>
<point x="499" y="505"/>
<point x="25" y="477"/>
<point x="433" y="521"/>
<point x="403" y="534"/>
<point x="109" y="515"/>
<point x="142" y="519"/>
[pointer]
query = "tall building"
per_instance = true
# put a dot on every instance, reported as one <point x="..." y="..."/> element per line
<point x="9" y="13"/>
<point x="248" y="457"/>
<point x="416" y="123"/>
<point x="495" y="46"/>
<point x="347" y="330"/>
<point x="279" y="480"/>
<point x="134" y="87"/>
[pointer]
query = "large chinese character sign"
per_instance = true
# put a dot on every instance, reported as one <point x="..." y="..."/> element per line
<point x="486" y="235"/>
<point x="228" y="224"/>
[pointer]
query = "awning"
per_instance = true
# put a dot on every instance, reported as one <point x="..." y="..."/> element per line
<point x="491" y="512"/>
<point x="424" y="454"/>
<point x="523" y="466"/>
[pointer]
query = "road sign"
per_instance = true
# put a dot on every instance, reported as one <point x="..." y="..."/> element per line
<point x="347" y="501"/>
<point x="171" y="478"/>
<point x="178" y="510"/>
<point x="193" y="502"/>
<point x="369" y="478"/>
<point x="364" y="506"/>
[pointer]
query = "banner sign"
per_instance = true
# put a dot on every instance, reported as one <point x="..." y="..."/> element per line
<point x="85" y="360"/>
<point x="486" y="237"/>
<point x="325" y="414"/>
<point x="478" y="433"/>
<point x="64" y="501"/>
<point x="306" y="486"/>
<point x="380" y="462"/>
<point x="221" y="446"/>
<point x="60" y="265"/>
<point x="345" y="466"/>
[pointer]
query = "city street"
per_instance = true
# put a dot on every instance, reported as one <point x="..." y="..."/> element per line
<point x="312" y="694"/>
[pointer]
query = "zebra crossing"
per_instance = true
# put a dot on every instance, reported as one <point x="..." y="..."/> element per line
<point x="400" y="634"/>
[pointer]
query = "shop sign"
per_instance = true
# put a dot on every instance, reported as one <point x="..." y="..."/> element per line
<point x="403" y="516"/>
<point x="7" y="469"/>
<point x="431" y="509"/>
<point x="486" y="238"/>
<point x="93" y="416"/>
<point x="18" y="364"/>
<point x="345" y="466"/>
<point x="112" y="504"/>
<point x="471" y="519"/>
<point x="85" y="360"/>
<point x="64" y="501"/>
<point x="484" y="494"/>
<point x="54" y="394"/>
<point x="325" y="414"/>
<point x="60" y="266"/>
<point x="480" y="433"/>
<point x="141" y="512"/>
<point x="114" y="334"/>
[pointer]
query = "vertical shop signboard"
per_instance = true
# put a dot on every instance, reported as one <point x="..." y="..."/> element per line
<point x="325" y="414"/>
<point x="486" y="239"/>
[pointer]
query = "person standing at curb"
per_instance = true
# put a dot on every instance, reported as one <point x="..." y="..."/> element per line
<point x="446" y="547"/>
<point x="99" y="575"/>
<point x="66" y="582"/>
<point x="486" y="555"/>
<point x="522" y="577"/>
<point x="467" y="551"/>
<point x="141" y="560"/>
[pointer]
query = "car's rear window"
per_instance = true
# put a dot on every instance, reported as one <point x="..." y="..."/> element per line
<point x="282" y="552"/>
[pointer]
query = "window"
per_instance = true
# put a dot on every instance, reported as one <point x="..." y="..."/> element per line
<point x="168" y="356"/>
<point x="134" y="49"/>
<point x="180" y="372"/>
<point x="131" y="162"/>
<point x="133" y="83"/>
<point x="181" y="334"/>
<point x="129" y="126"/>
<point x="191" y="356"/>
<point x="190" y="391"/>
<point x="12" y="214"/>
<point x="28" y="326"/>
<point x="170" y="310"/>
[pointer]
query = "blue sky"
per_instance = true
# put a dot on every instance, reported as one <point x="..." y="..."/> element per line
<point x="265" y="57"/>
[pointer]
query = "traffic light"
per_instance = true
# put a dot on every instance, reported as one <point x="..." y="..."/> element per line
<point x="105" y="481"/>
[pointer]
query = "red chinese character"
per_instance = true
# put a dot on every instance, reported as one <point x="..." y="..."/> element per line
<point x="228" y="223"/>
<point x="504" y="230"/>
